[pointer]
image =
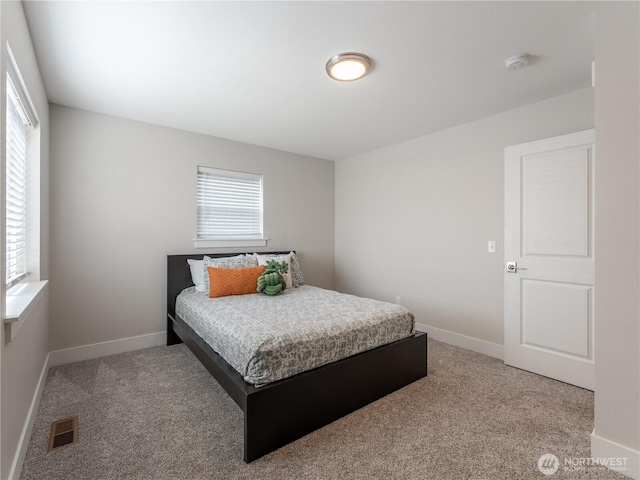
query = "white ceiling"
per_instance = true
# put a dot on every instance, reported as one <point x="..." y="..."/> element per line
<point x="254" y="71"/>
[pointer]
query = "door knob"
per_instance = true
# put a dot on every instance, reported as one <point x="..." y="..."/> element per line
<point x="512" y="267"/>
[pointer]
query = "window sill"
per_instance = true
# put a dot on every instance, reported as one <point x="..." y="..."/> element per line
<point x="254" y="242"/>
<point x="21" y="299"/>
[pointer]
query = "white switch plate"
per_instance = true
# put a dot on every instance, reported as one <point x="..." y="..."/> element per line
<point x="491" y="246"/>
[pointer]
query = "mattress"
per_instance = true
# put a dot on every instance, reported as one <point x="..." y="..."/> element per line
<point x="271" y="338"/>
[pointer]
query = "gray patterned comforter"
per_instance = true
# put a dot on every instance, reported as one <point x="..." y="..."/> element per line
<point x="271" y="338"/>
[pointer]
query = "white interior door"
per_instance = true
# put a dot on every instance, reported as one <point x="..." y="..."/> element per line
<point x="549" y="290"/>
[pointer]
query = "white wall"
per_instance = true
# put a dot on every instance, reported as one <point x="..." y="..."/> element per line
<point x="617" y="335"/>
<point x="22" y="361"/>
<point x="413" y="219"/>
<point x="124" y="196"/>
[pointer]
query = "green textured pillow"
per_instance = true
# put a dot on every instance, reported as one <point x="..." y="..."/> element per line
<point x="272" y="281"/>
<point x="263" y="259"/>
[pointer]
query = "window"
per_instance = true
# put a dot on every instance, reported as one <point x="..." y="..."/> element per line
<point x="20" y="122"/>
<point x="229" y="208"/>
<point x="22" y="203"/>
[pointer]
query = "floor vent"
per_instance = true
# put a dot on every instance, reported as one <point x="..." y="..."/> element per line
<point x="63" y="432"/>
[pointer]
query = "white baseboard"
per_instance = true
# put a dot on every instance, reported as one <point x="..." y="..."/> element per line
<point x="23" y="444"/>
<point x="615" y="454"/>
<point x="97" y="350"/>
<point x="463" y="341"/>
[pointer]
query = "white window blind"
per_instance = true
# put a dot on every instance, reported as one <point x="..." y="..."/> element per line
<point x="20" y="123"/>
<point x="229" y="205"/>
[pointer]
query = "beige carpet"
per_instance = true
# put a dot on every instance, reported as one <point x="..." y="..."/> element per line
<point x="158" y="414"/>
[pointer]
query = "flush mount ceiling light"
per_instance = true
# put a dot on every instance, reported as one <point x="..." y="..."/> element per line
<point x="517" y="61"/>
<point x="347" y="67"/>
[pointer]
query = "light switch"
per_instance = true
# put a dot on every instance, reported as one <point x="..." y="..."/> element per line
<point x="491" y="246"/>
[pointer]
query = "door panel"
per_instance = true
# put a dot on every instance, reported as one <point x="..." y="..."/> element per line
<point x="551" y="180"/>
<point x="556" y="316"/>
<point x="549" y="233"/>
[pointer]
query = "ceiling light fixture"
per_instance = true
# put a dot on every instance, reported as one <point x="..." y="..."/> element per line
<point x="347" y="67"/>
<point x="517" y="61"/>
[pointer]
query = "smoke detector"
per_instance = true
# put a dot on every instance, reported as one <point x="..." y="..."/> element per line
<point x="517" y="61"/>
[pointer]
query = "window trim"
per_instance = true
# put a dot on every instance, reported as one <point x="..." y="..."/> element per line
<point x="18" y="84"/>
<point x="254" y="242"/>
<point x="20" y="300"/>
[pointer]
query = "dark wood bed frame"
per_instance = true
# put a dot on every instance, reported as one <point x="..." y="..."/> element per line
<point x="281" y="412"/>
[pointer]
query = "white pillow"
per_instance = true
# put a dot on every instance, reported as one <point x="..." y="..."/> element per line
<point x="262" y="260"/>
<point x="197" y="273"/>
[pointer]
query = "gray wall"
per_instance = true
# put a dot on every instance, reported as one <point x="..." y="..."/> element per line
<point x="413" y="219"/>
<point x="23" y="359"/>
<point x="617" y="105"/>
<point x="123" y="197"/>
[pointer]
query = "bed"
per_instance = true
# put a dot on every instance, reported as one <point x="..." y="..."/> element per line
<point x="278" y="412"/>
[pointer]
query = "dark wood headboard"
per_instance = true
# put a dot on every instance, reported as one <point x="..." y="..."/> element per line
<point x="179" y="274"/>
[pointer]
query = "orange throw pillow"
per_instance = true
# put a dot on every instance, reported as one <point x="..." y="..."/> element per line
<point x="233" y="281"/>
